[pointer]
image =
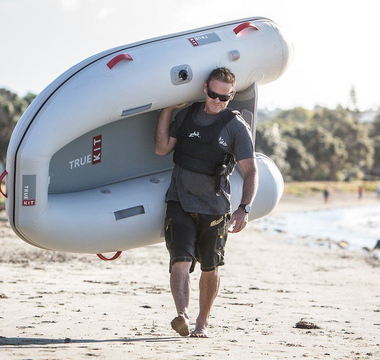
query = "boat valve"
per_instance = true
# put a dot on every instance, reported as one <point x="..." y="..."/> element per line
<point x="183" y="74"/>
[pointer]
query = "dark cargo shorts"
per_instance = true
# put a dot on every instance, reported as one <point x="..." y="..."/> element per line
<point x="192" y="237"/>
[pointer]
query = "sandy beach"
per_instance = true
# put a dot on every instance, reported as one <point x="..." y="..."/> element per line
<point x="72" y="306"/>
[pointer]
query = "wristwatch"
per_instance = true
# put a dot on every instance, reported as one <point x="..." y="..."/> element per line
<point x="246" y="208"/>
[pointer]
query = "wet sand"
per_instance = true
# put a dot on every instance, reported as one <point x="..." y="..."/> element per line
<point x="73" y="306"/>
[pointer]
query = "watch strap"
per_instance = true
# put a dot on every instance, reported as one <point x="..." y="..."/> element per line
<point x="243" y="206"/>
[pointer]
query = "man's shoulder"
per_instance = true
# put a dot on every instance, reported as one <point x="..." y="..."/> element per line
<point x="237" y="123"/>
<point x="183" y="112"/>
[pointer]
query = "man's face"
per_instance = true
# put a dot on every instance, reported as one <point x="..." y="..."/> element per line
<point x="216" y="87"/>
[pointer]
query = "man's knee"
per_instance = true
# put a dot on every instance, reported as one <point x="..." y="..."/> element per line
<point x="181" y="266"/>
<point x="210" y="273"/>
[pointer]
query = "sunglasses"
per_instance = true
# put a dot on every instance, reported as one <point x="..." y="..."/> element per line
<point x="214" y="95"/>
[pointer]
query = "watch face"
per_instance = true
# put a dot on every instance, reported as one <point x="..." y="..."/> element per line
<point x="247" y="209"/>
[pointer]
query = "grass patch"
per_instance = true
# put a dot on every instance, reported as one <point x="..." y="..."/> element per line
<point x="314" y="187"/>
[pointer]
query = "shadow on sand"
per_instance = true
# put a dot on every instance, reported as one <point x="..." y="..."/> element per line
<point x="22" y="341"/>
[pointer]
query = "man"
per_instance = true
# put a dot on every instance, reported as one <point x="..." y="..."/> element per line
<point x="207" y="139"/>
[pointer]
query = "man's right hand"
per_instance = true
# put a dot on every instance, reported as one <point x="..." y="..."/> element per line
<point x="175" y="107"/>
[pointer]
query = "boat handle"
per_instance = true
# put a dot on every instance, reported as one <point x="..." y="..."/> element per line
<point x="117" y="59"/>
<point x="2" y="177"/>
<point x="243" y="26"/>
<point x="101" y="256"/>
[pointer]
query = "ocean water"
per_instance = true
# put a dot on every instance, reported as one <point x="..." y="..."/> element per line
<point x="359" y="226"/>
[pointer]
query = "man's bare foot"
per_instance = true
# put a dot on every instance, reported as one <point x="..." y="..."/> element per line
<point x="199" y="333"/>
<point x="181" y="324"/>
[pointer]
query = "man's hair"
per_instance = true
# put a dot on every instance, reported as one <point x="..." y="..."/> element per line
<point x="222" y="74"/>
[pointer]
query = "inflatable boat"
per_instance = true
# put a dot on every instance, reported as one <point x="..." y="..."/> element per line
<point x="81" y="173"/>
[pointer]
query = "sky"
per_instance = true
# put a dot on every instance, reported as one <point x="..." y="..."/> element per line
<point x="336" y="42"/>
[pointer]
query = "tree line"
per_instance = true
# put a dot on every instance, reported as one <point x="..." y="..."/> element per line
<point x="319" y="144"/>
<point x="322" y="144"/>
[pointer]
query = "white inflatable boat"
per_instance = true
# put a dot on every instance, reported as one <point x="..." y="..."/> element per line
<point x="82" y="175"/>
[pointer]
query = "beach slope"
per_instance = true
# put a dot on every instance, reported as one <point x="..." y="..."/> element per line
<point x="277" y="301"/>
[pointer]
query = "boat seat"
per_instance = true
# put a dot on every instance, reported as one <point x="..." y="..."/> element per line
<point x="247" y="116"/>
<point x="250" y="120"/>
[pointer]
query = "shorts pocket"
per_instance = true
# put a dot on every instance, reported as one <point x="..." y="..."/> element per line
<point x="220" y="243"/>
<point x="223" y="228"/>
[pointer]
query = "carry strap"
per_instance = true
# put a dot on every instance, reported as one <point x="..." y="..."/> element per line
<point x="2" y="177"/>
<point x="102" y="257"/>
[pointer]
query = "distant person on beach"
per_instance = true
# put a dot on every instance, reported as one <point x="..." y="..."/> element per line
<point x="208" y="139"/>
<point x="326" y="194"/>
<point x="360" y="191"/>
<point x="378" y="191"/>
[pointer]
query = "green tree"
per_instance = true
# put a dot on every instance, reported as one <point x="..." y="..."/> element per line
<point x="323" y="144"/>
<point x="353" y="103"/>
<point x="375" y="126"/>
<point x="11" y="109"/>
<point x="343" y="125"/>
<point x="323" y="156"/>
<point x="269" y="142"/>
<point x="301" y="162"/>
<point x="298" y="114"/>
<point x="376" y="157"/>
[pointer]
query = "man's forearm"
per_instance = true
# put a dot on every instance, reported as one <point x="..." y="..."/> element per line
<point x="161" y="137"/>
<point x="250" y="179"/>
<point x="249" y="187"/>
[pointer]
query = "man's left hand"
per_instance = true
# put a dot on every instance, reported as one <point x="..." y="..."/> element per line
<point x="239" y="220"/>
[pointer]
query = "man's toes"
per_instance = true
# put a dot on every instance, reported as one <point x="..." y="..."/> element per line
<point x="199" y="334"/>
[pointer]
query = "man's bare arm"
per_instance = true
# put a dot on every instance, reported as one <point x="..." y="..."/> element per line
<point x="163" y="142"/>
<point x="249" y="169"/>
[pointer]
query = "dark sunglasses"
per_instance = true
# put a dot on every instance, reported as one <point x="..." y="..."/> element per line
<point x="214" y="95"/>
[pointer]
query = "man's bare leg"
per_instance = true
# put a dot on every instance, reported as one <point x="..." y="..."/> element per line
<point x="180" y="287"/>
<point x="208" y="290"/>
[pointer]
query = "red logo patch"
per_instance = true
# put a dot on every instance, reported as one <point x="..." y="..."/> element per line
<point x="194" y="42"/>
<point x="96" y="149"/>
